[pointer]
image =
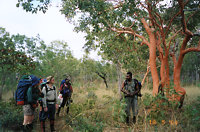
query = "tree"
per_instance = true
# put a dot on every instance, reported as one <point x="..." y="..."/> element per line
<point x="191" y="68"/>
<point x="12" y="56"/>
<point x="155" y="23"/>
<point x="57" y="60"/>
<point x="150" y="22"/>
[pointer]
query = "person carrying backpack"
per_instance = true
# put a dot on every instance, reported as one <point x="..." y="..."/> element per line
<point x="49" y="103"/>
<point x="130" y="90"/>
<point x="30" y="103"/>
<point x="66" y="91"/>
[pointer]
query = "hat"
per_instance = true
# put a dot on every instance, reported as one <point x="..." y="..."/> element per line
<point x="44" y="80"/>
<point x="35" y="80"/>
<point x="49" y="78"/>
<point x="67" y="78"/>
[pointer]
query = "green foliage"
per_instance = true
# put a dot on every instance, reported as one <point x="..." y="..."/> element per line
<point x="118" y="110"/>
<point x="34" y="5"/>
<point x="147" y="99"/>
<point x="190" y="117"/>
<point x="12" y="54"/>
<point x="161" y="109"/>
<point x="190" y="68"/>
<point x="84" y="124"/>
<point x="11" y="115"/>
<point x="85" y="117"/>
<point x="91" y="99"/>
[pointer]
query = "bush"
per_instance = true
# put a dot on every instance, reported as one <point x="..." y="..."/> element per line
<point x="84" y="117"/>
<point x="11" y="115"/>
<point x="191" y="116"/>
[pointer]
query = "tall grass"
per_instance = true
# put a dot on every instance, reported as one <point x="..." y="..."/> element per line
<point x="98" y="109"/>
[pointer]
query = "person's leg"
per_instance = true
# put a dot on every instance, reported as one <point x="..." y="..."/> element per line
<point x="30" y="122"/>
<point x="134" y="109"/>
<point x="42" y="116"/>
<point x="68" y="104"/>
<point x="52" y="117"/>
<point x="52" y="111"/>
<point x="62" y="105"/>
<point x="127" y="109"/>
<point x="28" y="116"/>
<point x="26" y="120"/>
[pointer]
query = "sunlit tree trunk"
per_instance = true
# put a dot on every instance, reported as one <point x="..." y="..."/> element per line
<point x="152" y="56"/>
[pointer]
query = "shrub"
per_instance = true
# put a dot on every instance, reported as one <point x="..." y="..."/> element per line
<point x="11" y="115"/>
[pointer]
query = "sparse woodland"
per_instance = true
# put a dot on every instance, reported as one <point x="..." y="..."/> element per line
<point x="158" y="41"/>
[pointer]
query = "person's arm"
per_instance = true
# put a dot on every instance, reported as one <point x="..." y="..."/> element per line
<point x="71" y="88"/>
<point x="56" y="99"/>
<point x="40" y="92"/>
<point x="44" y="99"/>
<point x="123" y="89"/>
<point x="60" y="89"/>
<point x="55" y="95"/>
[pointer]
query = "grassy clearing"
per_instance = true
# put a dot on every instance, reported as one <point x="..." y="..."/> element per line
<point x="110" y="111"/>
<point x="98" y="109"/>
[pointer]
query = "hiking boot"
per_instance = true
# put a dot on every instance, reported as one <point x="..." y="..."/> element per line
<point x="25" y="128"/>
<point x="134" y="119"/>
<point x="30" y="126"/>
<point x="57" y="114"/>
<point x="67" y="110"/>
<point x="52" y="126"/>
<point x="127" y="120"/>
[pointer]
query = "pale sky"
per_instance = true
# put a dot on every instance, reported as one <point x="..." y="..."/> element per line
<point x="50" y="26"/>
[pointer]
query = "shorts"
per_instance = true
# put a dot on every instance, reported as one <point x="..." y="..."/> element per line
<point x="28" y="110"/>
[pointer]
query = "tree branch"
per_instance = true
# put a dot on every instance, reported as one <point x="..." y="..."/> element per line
<point x="133" y="33"/>
<point x="171" y="20"/>
<point x="185" y="30"/>
<point x="173" y="38"/>
<point x="193" y="49"/>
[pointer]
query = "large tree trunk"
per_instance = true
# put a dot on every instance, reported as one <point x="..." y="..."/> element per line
<point x="164" y="73"/>
<point x="177" y="71"/>
<point x="180" y="92"/>
<point x="152" y="63"/>
<point x="152" y="44"/>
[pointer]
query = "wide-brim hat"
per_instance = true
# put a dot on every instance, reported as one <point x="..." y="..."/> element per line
<point x="49" y="78"/>
<point x="67" y="77"/>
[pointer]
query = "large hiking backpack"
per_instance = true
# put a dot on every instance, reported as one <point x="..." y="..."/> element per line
<point x="24" y="83"/>
<point x="65" y="88"/>
<point x="139" y="86"/>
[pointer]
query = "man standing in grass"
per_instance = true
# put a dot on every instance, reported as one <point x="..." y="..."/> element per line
<point x="130" y="94"/>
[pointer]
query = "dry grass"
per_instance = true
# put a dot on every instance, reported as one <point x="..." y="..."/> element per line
<point x="192" y="92"/>
<point x="81" y="95"/>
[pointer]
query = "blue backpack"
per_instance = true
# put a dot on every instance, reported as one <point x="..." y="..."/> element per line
<point x="24" y="83"/>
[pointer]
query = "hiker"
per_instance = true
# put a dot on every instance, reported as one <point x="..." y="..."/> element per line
<point x="66" y="92"/>
<point x="32" y="95"/>
<point x="49" y="103"/>
<point x="130" y="94"/>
